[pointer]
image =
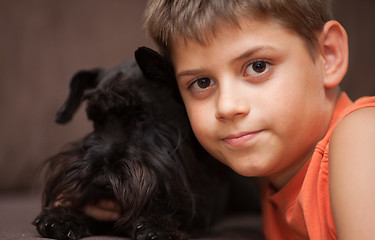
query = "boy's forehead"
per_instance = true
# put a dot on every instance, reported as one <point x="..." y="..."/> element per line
<point x="208" y="35"/>
<point x="226" y="32"/>
<point x="204" y="37"/>
<point x="237" y="38"/>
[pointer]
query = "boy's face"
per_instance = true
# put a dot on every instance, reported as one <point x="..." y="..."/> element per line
<point x="255" y="97"/>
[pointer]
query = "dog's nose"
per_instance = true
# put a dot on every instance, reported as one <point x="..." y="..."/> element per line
<point x="101" y="182"/>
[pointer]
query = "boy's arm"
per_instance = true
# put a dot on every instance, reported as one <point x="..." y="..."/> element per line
<point x="352" y="175"/>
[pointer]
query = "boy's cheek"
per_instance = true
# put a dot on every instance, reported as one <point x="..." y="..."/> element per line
<point x="198" y="126"/>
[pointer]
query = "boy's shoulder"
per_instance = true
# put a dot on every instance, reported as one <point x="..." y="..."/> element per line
<point x="355" y="125"/>
<point x="351" y="171"/>
<point x="353" y="115"/>
<point x="356" y="128"/>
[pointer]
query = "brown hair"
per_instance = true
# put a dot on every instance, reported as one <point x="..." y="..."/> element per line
<point x="165" y="20"/>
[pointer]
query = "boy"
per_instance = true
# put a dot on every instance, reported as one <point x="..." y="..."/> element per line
<point x="259" y="79"/>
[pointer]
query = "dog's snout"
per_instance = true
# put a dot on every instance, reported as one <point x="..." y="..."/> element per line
<point x="101" y="182"/>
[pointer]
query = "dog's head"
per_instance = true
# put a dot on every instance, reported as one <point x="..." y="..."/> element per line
<point x="115" y="91"/>
<point x="140" y="151"/>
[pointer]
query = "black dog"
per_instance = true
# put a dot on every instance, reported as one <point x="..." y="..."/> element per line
<point x="142" y="153"/>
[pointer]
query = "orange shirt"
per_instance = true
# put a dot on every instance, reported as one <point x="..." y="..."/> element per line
<point x="302" y="209"/>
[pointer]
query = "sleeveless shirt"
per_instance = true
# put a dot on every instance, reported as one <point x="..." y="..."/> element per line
<point x="301" y="209"/>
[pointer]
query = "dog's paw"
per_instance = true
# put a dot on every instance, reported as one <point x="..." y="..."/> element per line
<point x="61" y="223"/>
<point x="154" y="233"/>
<point x="149" y="229"/>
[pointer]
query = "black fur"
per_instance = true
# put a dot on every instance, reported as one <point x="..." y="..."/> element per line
<point x="141" y="153"/>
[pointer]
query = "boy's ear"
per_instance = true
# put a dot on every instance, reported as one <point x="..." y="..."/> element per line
<point x="80" y="83"/>
<point x="334" y="50"/>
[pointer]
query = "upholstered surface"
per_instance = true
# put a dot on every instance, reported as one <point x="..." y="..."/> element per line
<point x="17" y="211"/>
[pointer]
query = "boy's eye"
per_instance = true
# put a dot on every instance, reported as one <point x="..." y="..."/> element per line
<point x="202" y="83"/>
<point x="259" y="67"/>
<point x="256" y="68"/>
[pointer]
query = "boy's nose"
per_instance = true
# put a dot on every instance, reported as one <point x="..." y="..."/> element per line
<point x="231" y="104"/>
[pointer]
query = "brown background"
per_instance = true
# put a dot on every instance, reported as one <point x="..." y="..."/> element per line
<point x="44" y="42"/>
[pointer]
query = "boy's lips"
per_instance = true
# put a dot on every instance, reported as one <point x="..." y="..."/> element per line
<point x="240" y="138"/>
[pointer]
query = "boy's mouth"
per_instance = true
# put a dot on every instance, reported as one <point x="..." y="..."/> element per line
<point x="240" y="138"/>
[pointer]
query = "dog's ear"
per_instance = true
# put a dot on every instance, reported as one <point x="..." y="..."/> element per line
<point x="154" y="66"/>
<point x="81" y="81"/>
<point x="157" y="67"/>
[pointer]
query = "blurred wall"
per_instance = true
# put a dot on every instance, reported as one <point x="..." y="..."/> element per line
<point x="358" y="18"/>
<point x="44" y="42"/>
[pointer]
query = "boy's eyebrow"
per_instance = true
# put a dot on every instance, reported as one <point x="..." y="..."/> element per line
<point x="189" y="73"/>
<point x="244" y="55"/>
<point x="250" y="52"/>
